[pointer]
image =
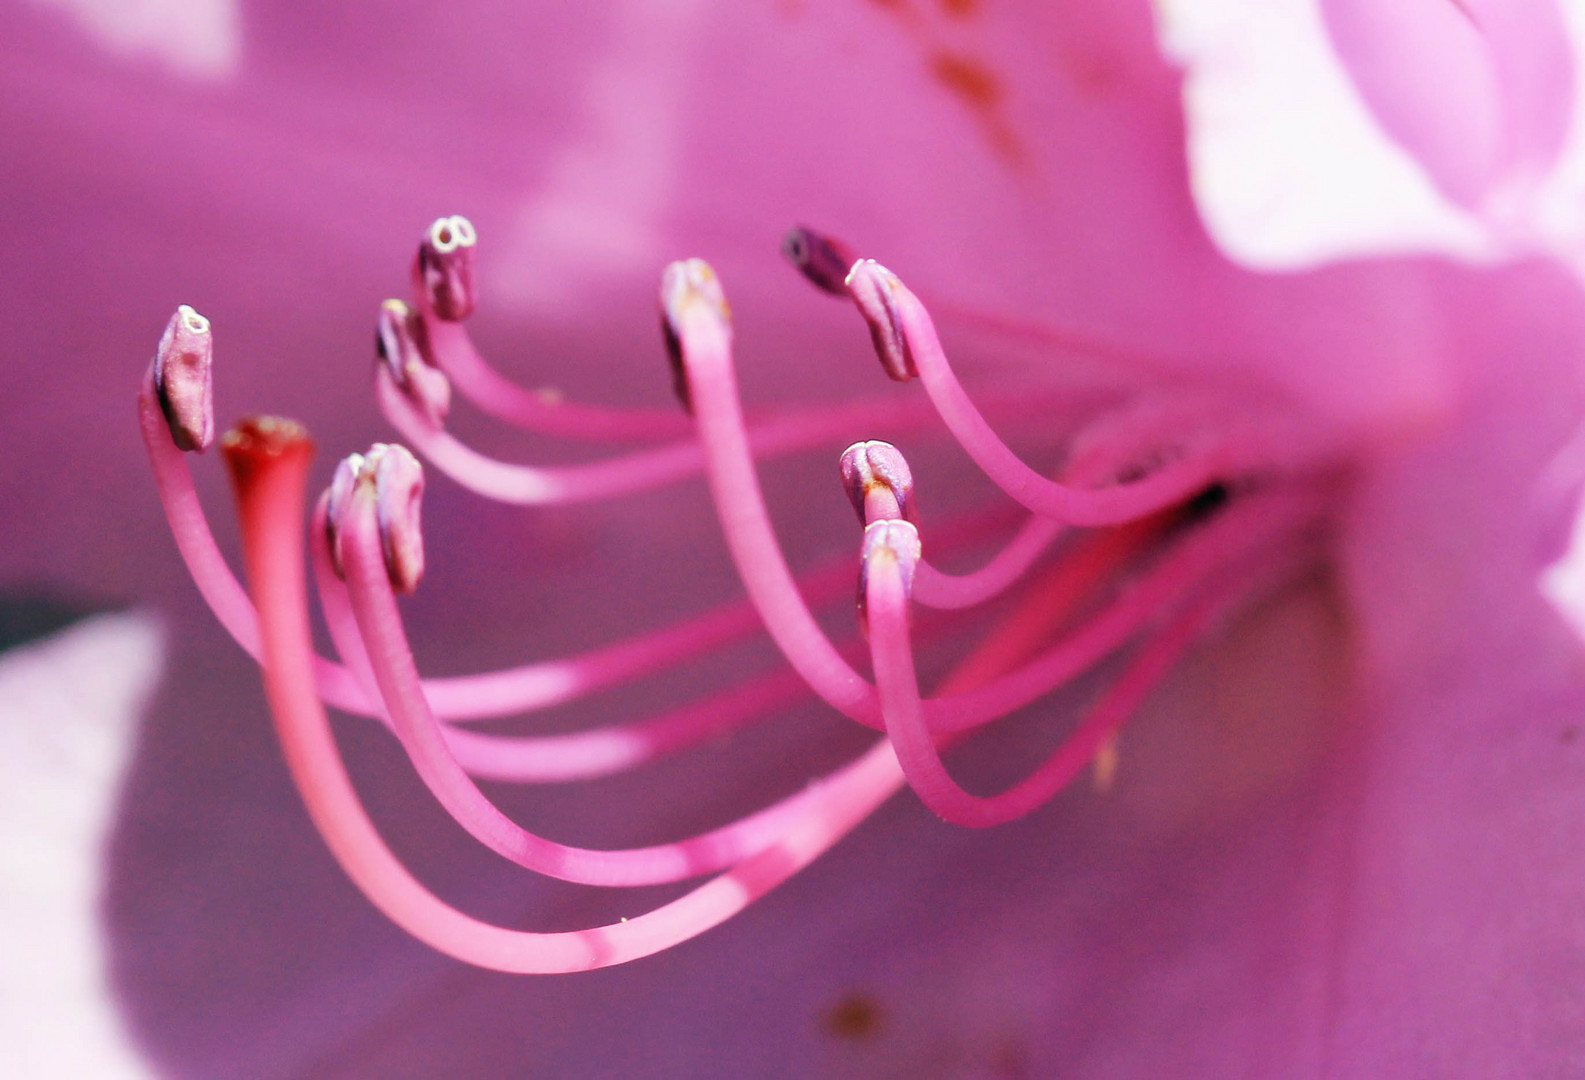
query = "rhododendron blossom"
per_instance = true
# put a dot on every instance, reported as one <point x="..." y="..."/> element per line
<point x="1193" y="502"/>
<point x="1081" y="610"/>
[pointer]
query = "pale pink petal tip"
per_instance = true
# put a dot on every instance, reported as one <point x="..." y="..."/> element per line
<point x="823" y="260"/>
<point x="878" y="481"/>
<point x="184" y="379"/>
<point x="399" y="342"/>
<point x="445" y="268"/>
<point x="873" y="288"/>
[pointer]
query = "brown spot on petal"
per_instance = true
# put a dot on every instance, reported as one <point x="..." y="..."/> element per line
<point x="854" y="1016"/>
<point x="961" y="9"/>
<point x="973" y="83"/>
<point x="968" y="79"/>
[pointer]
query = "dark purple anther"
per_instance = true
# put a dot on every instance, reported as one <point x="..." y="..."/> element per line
<point x="823" y="259"/>
<point x="873" y="288"/>
<point x="878" y="481"/>
<point x="184" y="380"/>
<point x="398" y="339"/>
<point x="445" y="268"/>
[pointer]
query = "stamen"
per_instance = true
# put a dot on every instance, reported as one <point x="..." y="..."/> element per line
<point x="445" y="341"/>
<point x="452" y="349"/>
<point x="938" y="589"/>
<point x="881" y="486"/>
<point x="270" y="498"/>
<point x="391" y="663"/>
<point x="823" y="260"/>
<point x="687" y="284"/>
<point x="897" y="541"/>
<point x="398" y="498"/>
<point x="705" y="347"/>
<point x="874" y="290"/>
<point x="580" y="755"/>
<point x="535" y="485"/>
<point x="917" y="751"/>
<point x="398" y="341"/>
<point x="467" y="697"/>
<point x="700" y="340"/>
<point x="342" y="481"/>
<point x="878" y="481"/>
<point x="184" y="380"/>
<point x="443" y="268"/>
<point x="901" y="326"/>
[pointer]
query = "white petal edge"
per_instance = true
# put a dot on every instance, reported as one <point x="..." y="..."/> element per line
<point x="69" y="707"/>
<point x="1288" y="168"/>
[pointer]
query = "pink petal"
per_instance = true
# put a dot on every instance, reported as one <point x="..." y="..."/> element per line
<point x="1478" y="92"/>
<point x="1221" y="913"/>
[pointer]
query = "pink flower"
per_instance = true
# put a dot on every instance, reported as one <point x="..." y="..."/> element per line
<point x="1337" y="845"/>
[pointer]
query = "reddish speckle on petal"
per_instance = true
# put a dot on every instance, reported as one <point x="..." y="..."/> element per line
<point x="972" y="82"/>
<point x="855" y="1016"/>
<point x="968" y="79"/>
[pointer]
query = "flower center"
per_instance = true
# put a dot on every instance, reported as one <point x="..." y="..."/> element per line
<point x="1168" y="510"/>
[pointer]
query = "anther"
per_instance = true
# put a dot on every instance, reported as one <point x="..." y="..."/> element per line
<point x="394" y="478"/>
<point x="399" y="342"/>
<point x="687" y="287"/>
<point x="872" y="288"/>
<point x="184" y="379"/>
<point x="398" y="499"/>
<point x="445" y="268"/>
<point x="894" y="539"/>
<point x="878" y="482"/>
<point x="342" y="484"/>
<point x="824" y="260"/>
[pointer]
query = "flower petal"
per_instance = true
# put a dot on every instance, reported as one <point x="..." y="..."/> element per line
<point x="69" y="708"/>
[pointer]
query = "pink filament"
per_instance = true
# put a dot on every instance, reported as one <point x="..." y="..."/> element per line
<point x="938" y="589"/>
<point x="453" y="352"/>
<point x="917" y="751"/>
<point x="745" y="523"/>
<point x="391" y="661"/>
<point x="270" y="495"/>
<point x="529" y="485"/>
<point x="465" y="697"/>
<point x="579" y="755"/>
<point x="1169" y="485"/>
<point x="641" y="470"/>
<point x="216" y="583"/>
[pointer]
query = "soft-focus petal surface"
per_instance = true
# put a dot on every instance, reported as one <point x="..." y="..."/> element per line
<point x="1478" y="92"/>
